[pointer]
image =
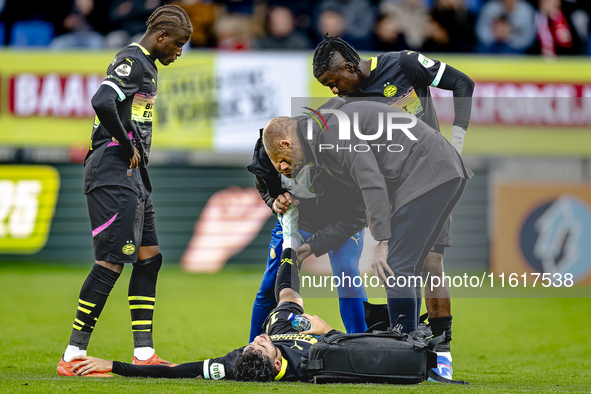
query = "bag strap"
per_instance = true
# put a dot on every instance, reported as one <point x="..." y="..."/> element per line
<point x="314" y="365"/>
<point x="336" y="338"/>
<point x="378" y="327"/>
<point x="433" y="375"/>
<point x="436" y="340"/>
<point x="423" y="318"/>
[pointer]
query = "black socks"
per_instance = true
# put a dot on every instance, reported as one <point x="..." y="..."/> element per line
<point x="142" y="298"/>
<point x="93" y="296"/>
<point x="439" y="325"/>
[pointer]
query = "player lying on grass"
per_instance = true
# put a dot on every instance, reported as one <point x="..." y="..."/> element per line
<point x="274" y="355"/>
<point x="331" y="221"/>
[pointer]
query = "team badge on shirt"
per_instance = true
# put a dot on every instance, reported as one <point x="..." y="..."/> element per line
<point x="389" y="90"/>
<point x="123" y="70"/>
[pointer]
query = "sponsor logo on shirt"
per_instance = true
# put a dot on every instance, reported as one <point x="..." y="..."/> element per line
<point x="425" y="61"/>
<point x="217" y="371"/>
<point x="295" y="344"/>
<point x="292" y="337"/>
<point x="116" y="79"/>
<point x="123" y="70"/>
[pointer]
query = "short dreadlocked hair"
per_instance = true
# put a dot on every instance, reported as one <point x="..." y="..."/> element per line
<point x="170" y="18"/>
<point x="324" y="55"/>
<point x="254" y="366"/>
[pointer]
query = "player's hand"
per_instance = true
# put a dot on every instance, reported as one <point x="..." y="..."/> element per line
<point x="319" y="326"/>
<point x="304" y="252"/>
<point x="135" y="160"/>
<point x="91" y="364"/>
<point x="380" y="265"/>
<point x="282" y="202"/>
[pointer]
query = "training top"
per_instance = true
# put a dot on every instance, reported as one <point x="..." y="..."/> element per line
<point x="404" y="79"/>
<point x="133" y="76"/>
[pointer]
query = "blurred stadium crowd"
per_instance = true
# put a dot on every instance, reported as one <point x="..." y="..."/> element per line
<point x="546" y="27"/>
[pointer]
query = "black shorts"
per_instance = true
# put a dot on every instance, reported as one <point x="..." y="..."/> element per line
<point x="121" y="222"/>
<point x="277" y="322"/>
<point x="444" y="239"/>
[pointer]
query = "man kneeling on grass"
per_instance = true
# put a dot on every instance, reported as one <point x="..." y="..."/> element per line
<point x="274" y="355"/>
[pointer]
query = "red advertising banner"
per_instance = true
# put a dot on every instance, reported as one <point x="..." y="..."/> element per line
<point x="52" y="95"/>
<point x="523" y="104"/>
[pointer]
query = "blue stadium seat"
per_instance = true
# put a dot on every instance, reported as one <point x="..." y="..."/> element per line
<point x="31" y="33"/>
<point x="2" y="34"/>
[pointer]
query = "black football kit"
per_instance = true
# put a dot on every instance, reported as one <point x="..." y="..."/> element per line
<point x="121" y="213"/>
<point x="404" y="78"/>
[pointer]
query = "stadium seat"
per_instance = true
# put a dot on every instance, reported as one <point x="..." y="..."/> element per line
<point x="31" y="33"/>
<point x="2" y="34"/>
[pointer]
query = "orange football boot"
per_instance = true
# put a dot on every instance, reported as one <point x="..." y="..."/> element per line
<point x="65" y="369"/>
<point x="154" y="360"/>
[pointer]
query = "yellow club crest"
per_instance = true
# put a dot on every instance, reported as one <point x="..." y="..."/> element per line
<point x="128" y="249"/>
<point x="390" y="90"/>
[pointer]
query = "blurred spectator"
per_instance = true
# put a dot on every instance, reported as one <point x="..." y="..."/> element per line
<point x="506" y="26"/>
<point x="81" y="30"/>
<point x="130" y="17"/>
<point x="233" y="32"/>
<point x="252" y="11"/>
<point x="358" y="18"/>
<point x="202" y="14"/>
<point x="331" y="23"/>
<point x="281" y="33"/>
<point x="577" y="13"/>
<point x="413" y="17"/>
<point x="550" y="27"/>
<point x="437" y="37"/>
<point x="449" y="28"/>
<point x="554" y="33"/>
<point x="388" y="35"/>
<point x="301" y="11"/>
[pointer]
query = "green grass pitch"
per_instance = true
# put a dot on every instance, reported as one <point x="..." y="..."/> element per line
<point x="500" y="345"/>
